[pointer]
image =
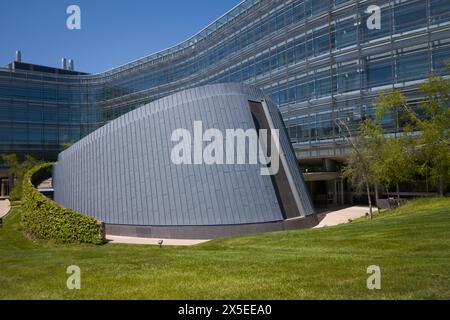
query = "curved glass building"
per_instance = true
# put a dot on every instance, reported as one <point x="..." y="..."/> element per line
<point x="317" y="59"/>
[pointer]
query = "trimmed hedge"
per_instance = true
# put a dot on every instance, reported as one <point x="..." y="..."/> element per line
<point x="44" y="219"/>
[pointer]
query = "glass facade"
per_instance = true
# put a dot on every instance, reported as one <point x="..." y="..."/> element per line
<point x="317" y="59"/>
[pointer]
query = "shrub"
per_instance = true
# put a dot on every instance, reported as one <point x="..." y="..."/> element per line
<point x="44" y="219"/>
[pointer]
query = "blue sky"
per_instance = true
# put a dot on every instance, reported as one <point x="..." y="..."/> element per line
<point x="113" y="32"/>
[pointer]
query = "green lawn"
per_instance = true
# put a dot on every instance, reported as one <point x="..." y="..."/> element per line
<point x="410" y="244"/>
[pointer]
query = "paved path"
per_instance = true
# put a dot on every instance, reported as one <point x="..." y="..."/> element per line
<point x="150" y="241"/>
<point x="4" y="207"/>
<point x="331" y="219"/>
<point x="341" y="216"/>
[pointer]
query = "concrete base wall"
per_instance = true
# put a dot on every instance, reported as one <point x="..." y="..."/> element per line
<point x="208" y="232"/>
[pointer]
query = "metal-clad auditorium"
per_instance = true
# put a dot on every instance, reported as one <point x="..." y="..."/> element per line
<point x="123" y="173"/>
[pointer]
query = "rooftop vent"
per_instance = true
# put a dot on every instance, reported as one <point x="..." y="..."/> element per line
<point x="64" y="63"/>
<point x="18" y="56"/>
<point x="71" y="64"/>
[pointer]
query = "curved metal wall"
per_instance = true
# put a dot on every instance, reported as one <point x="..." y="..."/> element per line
<point x="122" y="173"/>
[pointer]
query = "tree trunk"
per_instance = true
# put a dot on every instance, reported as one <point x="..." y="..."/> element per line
<point x="398" y="192"/>
<point x="376" y="195"/>
<point x="441" y="186"/>
<point x="368" y="198"/>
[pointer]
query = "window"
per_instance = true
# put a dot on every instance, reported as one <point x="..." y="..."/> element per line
<point x="300" y="50"/>
<point x="283" y="96"/>
<point x="64" y="135"/>
<point x="5" y="111"/>
<point x="299" y="12"/>
<point x="5" y="134"/>
<point x="409" y="15"/>
<point x="338" y="2"/>
<point x="50" y="113"/>
<point x="324" y="126"/>
<point x="49" y="93"/>
<point x="379" y="72"/>
<point x="35" y="135"/>
<point x="292" y="94"/>
<point x="35" y="113"/>
<point x="20" y="113"/>
<point x="440" y="10"/>
<point x="290" y="57"/>
<point x="64" y="114"/>
<point x="323" y="85"/>
<point x="19" y="135"/>
<point x="346" y="33"/>
<point x="412" y="66"/>
<point x="317" y="6"/>
<point x="348" y="78"/>
<point x="321" y="42"/>
<point x="305" y="90"/>
<point x="440" y="57"/>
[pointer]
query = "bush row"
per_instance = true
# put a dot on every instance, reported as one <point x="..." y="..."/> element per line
<point x="44" y="219"/>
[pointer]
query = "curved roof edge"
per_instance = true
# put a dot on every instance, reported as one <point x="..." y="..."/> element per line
<point x="161" y="104"/>
<point x="236" y="11"/>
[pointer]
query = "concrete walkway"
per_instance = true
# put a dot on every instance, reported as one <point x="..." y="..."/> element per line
<point x="151" y="241"/>
<point x="341" y="216"/>
<point x="4" y="207"/>
<point x="332" y="218"/>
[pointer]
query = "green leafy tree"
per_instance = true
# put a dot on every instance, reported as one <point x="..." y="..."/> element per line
<point x="434" y="141"/>
<point x="395" y="103"/>
<point x="67" y="145"/>
<point x="381" y="159"/>
<point x="372" y="134"/>
<point x="432" y="121"/>
<point x="17" y="168"/>
<point x="395" y="163"/>
<point x="358" y="169"/>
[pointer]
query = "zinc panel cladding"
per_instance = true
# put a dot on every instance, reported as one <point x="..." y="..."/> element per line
<point x="122" y="173"/>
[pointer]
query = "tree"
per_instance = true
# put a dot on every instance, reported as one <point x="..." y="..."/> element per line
<point x="395" y="163"/>
<point x="420" y="143"/>
<point x="395" y="103"/>
<point x="432" y="121"/>
<point x="67" y="145"/>
<point x="434" y="141"/>
<point x="358" y="169"/>
<point x="18" y="169"/>
<point x="374" y="139"/>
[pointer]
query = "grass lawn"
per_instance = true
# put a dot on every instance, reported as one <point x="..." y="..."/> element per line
<point x="411" y="245"/>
